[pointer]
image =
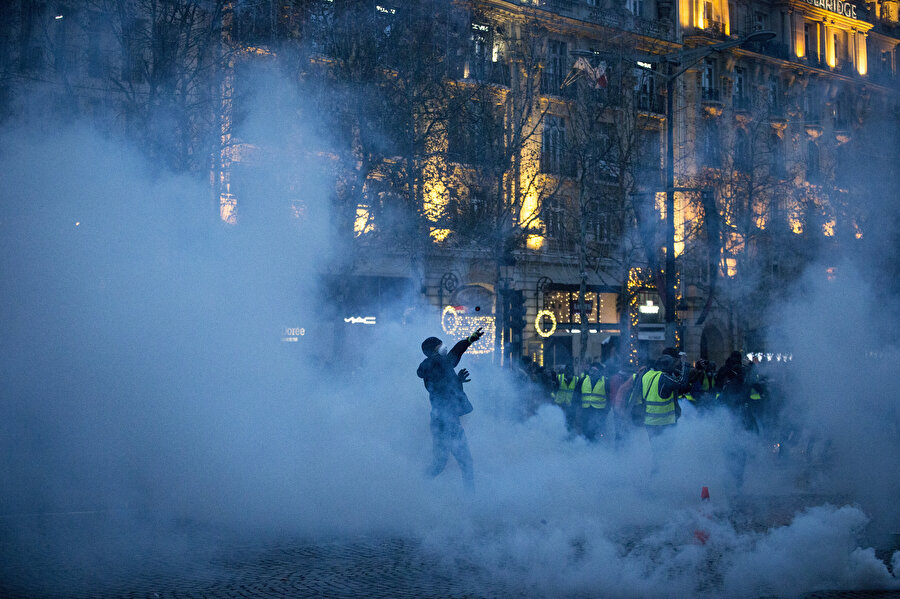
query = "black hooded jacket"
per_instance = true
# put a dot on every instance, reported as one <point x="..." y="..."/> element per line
<point x="443" y="385"/>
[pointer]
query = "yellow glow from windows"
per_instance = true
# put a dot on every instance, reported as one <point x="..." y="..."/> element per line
<point x="796" y="225"/>
<point x="534" y="242"/>
<point x="731" y="267"/>
<point x="828" y="228"/>
<point x="829" y="50"/>
<point x="862" y="66"/>
<point x="530" y="211"/>
<point x="684" y="9"/>
<point x="363" y="223"/>
<point x="438" y="235"/>
<point x="684" y="213"/>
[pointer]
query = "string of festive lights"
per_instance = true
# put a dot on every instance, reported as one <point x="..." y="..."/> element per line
<point x="456" y="324"/>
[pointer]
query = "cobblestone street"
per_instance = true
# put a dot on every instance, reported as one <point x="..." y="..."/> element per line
<point x="79" y="557"/>
<point x="198" y="563"/>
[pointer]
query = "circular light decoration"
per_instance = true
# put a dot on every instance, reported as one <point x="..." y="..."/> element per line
<point x="538" y="323"/>
<point x="449" y="319"/>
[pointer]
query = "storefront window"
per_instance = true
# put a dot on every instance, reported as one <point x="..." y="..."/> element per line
<point x="601" y="307"/>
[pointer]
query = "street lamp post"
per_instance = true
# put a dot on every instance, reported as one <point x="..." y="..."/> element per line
<point x="684" y="60"/>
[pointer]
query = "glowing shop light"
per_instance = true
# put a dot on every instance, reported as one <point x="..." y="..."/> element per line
<point x="457" y="324"/>
<point x="539" y="323"/>
<point x="648" y="308"/>
<point x="360" y="320"/>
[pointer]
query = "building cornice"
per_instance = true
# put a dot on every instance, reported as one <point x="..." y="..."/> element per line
<point x="816" y="13"/>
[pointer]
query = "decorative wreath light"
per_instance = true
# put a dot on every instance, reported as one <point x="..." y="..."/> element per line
<point x="538" y="323"/>
<point x="449" y="320"/>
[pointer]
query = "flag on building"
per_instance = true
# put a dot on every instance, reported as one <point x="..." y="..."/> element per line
<point x="597" y="74"/>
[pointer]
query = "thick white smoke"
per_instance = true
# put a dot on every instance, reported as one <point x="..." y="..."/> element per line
<point x="143" y="374"/>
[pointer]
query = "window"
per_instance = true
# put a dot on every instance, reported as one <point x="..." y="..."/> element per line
<point x="553" y="219"/>
<point x="554" y="157"/>
<point x="474" y="134"/>
<point x="760" y="21"/>
<point x="636" y="7"/>
<point x="711" y="149"/>
<point x="645" y="91"/>
<point x="742" y="151"/>
<point x="709" y="89"/>
<point x="650" y="151"/>
<point x="556" y="67"/>
<point x="739" y="91"/>
<point x="776" y="146"/>
<point x="813" y="168"/>
<point x="484" y="56"/>
<point x="773" y="95"/>
<point x="840" y="49"/>
<point x="808" y="47"/>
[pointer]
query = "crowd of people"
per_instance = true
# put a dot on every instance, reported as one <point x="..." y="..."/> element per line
<point x="651" y="396"/>
<point x="604" y="402"/>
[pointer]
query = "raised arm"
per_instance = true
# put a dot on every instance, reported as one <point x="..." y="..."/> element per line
<point x="459" y="349"/>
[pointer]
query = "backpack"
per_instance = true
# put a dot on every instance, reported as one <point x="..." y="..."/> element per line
<point x="635" y="403"/>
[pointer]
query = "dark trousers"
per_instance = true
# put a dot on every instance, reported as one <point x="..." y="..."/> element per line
<point x="448" y="436"/>
<point x="593" y="422"/>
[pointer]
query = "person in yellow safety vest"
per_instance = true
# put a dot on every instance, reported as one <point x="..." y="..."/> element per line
<point x="566" y="382"/>
<point x="594" y="402"/>
<point x="701" y="384"/>
<point x="660" y="387"/>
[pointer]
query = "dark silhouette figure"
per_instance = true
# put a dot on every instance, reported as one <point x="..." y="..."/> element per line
<point x="448" y="403"/>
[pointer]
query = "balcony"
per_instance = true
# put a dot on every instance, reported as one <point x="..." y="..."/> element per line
<point x="621" y="19"/>
<point x="484" y="71"/>
<point x="650" y="103"/>
<point x="551" y="85"/>
<point x="556" y="164"/>
<point x="711" y="100"/>
<point x="772" y="48"/>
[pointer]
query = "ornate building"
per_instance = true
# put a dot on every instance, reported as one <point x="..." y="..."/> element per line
<point x="503" y="162"/>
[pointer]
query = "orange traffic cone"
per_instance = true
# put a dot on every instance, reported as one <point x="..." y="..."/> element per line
<point x="704" y="494"/>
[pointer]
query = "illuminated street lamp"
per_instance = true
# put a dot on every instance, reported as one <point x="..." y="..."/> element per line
<point x="682" y="60"/>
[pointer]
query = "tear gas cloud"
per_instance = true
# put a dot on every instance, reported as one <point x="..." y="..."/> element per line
<point x="143" y="374"/>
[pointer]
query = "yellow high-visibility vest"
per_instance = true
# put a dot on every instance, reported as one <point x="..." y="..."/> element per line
<point x="565" y="391"/>
<point x="594" y="396"/>
<point x="657" y="411"/>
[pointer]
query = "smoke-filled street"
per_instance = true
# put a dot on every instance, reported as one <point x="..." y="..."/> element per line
<point x="83" y="555"/>
<point x="505" y="298"/>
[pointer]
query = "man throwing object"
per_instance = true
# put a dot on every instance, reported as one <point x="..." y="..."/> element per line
<point x="448" y="403"/>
